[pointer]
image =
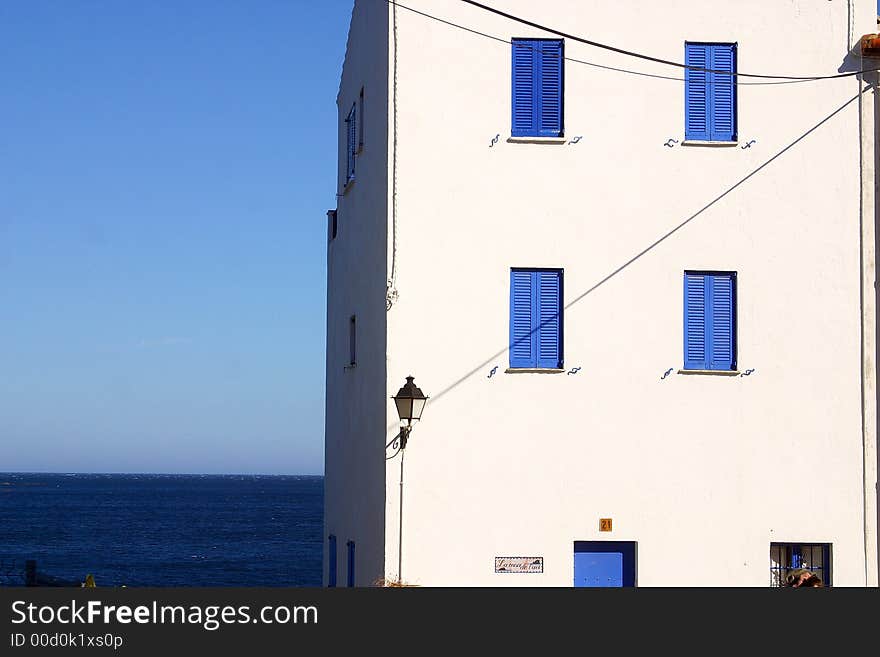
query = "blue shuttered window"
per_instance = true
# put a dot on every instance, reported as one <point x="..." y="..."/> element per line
<point x="351" y="144"/>
<point x="352" y="341"/>
<point x="709" y="321"/>
<point x="710" y="98"/>
<point x="360" y="125"/>
<point x="536" y="318"/>
<point x="350" y="545"/>
<point x="331" y="560"/>
<point x="536" y="90"/>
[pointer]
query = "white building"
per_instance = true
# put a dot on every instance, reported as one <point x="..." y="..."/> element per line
<point x="689" y="288"/>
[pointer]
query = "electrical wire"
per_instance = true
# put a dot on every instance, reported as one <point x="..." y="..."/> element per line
<point x="581" y="61"/>
<point x="508" y="42"/>
<point x="659" y="60"/>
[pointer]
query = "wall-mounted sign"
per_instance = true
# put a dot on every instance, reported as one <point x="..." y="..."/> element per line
<point x="604" y="524"/>
<point x="519" y="564"/>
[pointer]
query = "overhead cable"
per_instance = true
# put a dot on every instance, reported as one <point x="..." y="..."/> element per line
<point x="659" y="60"/>
<point x="579" y="61"/>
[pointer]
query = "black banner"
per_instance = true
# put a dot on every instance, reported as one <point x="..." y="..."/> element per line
<point x="171" y="621"/>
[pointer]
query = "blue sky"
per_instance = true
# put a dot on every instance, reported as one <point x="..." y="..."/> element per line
<point x="165" y="170"/>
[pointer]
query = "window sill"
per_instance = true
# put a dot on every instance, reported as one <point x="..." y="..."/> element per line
<point x="711" y="372"/>
<point x="536" y="140"/>
<point x="716" y="144"/>
<point x="348" y="185"/>
<point x="533" y="370"/>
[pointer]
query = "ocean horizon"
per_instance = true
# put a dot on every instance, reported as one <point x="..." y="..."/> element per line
<point x="162" y="529"/>
<point x="160" y="474"/>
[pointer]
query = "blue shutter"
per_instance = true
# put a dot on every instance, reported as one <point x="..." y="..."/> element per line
<point x="710" y="98"/>
<point x="709" y="321"/>
<point x="535" y="318"/>
<point x="722" y="90"/>
<point x="522" y="314"/>
<point x="721" y="325"/>
<point x="352" y="341"/>
<point x="696" y="100"/>
<point x="350" y="127"/>
<point x="524" y="98"/>
<point x="331" y="560"/>
<point x="694" y="322"/>
<point x="351" y="563"/>
<point x="549" y="286"/>
<point x="550" y="98"/>
<point x="347" y="149"/>
<point x="350" y="124"/>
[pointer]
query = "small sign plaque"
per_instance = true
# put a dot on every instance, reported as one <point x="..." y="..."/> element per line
<point x="519" y="564"/>
<point x="604" y="524"/>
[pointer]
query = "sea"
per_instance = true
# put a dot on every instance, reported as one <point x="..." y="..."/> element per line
<point x="162" y="529"/>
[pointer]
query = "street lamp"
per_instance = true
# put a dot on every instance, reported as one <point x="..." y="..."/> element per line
<point x="410" y="402"/>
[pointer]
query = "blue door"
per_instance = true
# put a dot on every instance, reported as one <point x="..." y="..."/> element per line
<point x="604" y="563"/>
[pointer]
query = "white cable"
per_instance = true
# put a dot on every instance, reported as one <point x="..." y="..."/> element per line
<point x="850" y="19"/>
<point x="391" y="288"/>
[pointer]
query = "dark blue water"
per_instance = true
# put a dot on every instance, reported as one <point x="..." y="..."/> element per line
<point x="165" y="530"/>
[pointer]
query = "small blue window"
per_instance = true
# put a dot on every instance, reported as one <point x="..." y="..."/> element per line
<point x="536" y="92"/>
<point x="536" y="318"/>
<point x="350" y="563"/>
<point x="710" y="97"/>
<point x="786" y="557"/>
<point x="709" y="320"/>
<point x="331" y="560"/>
<point x="352" y="341"/>
<point x="351" y="143"/>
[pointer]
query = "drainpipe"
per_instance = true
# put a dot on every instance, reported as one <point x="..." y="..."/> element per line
<point x="869" y="302"/>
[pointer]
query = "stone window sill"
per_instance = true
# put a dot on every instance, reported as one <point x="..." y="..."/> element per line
<point x="536" y="140"/>
<point x="709" y="143"/>
<point x="711" y="372"/>
<point x="533" y="370"/>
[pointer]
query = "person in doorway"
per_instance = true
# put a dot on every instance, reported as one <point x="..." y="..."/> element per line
<point x="803" y="578"/>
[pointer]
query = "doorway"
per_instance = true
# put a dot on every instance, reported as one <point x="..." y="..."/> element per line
<point x="604" y="563"/>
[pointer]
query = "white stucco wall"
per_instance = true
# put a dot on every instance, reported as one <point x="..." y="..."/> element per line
<point x="354" y="456"/>
<point x="704" y="472"/>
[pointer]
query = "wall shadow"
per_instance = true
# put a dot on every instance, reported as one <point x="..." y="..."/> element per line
<point x="580" y="297"/>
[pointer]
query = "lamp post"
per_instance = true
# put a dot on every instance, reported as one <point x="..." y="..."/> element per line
<point x="410" y="402"/>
